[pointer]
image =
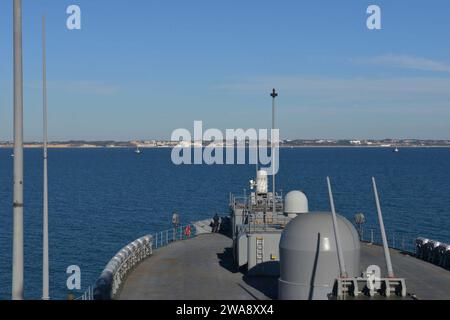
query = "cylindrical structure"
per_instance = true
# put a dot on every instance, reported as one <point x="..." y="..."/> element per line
<point x="308" y="256"/>
<point x="274" y="94"/>
<point x="295" y="202"/>
<point x="17" y="269"/>
<point x="45" y="259"/>
<point x="337" y="235"/>
<point x="387" y="254"/>
<point x="261" y="182"/>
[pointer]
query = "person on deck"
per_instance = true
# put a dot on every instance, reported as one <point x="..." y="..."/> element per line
<point x="216" y="223"/>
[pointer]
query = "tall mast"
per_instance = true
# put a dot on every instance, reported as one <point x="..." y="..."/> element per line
<point x="274" y="94"/>
<point x="337" y="236"/>
<point x="387" y="255"/>
<point x="17" y="267"/>
<point x="45" y="262"/>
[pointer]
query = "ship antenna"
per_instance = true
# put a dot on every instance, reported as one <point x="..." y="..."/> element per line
<point x="17" y="267"/>
<point x="274" y="94"/>
<point x="45" y="260"/>
<point x="257" y="157"/>
<point x="342" y="270"/>
<point x="387" y="255"/>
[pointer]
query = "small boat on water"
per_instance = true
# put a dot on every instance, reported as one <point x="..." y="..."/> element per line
<point x="396" y="149"/>
<point x="137" y="151"/>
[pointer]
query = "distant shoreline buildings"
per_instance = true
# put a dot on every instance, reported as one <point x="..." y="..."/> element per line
<point x="283" y="143"/>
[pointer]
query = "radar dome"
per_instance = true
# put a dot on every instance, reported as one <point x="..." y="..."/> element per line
<point x="308" y="256"/>
<point x="295" y="202"/>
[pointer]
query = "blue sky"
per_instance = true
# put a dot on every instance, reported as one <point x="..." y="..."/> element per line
<point x="139" y="69"/>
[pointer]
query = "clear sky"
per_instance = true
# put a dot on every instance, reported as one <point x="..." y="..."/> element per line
<point x="138" y="69"/>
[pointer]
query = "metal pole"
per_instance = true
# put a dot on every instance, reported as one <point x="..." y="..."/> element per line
<point x="393" y="240"/>
<point x="383" y="232"/>
<point x="257" y="158"/>
<point x="17" y="268"/>
<point x="45" y="260"/>
<point x="274" y="94"/>
<point x="336" y="233"/>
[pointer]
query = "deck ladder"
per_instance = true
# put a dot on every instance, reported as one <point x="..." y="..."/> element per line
<point x="259" y="250"/>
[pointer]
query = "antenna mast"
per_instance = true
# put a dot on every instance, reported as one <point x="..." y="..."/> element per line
<point x="336" y="233"/>
<point x="17" y="267"/>
<point x="45" y="260"/>
<point x="387" y="255"/>
<point x="274" y="94"/>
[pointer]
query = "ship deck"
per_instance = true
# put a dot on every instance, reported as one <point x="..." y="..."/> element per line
<point x="201" y="268"/>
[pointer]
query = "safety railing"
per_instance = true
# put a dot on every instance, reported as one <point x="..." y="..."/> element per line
<point x="261" y="222"/>
<point x="256" y="204"/>
<point x="163" y="238"/>
<point x="87" y="295"/>
<point x="399" y="240"/>
<point x="111" y="279"/>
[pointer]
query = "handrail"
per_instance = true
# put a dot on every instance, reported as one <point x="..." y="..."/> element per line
<point x="396" y="239"/>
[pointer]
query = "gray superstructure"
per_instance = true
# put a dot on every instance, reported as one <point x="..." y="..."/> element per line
<point x="257" y="254"/>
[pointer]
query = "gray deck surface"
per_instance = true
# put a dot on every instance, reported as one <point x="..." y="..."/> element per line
<point x="427" y="281"/>
<point x="202" y="268"/>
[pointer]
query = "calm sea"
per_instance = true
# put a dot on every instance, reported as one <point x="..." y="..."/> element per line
<point x="102" y="199"/>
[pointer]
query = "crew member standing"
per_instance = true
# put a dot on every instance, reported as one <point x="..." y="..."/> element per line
<point x="216" y="222"/>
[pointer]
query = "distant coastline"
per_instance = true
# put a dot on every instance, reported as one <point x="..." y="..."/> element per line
<point x="300" y="143"/>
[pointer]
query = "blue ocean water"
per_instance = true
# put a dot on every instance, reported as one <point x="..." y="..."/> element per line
<point x="102" y="199"/>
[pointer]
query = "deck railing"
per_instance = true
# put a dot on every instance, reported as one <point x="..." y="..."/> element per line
<point x="399" y="240"/>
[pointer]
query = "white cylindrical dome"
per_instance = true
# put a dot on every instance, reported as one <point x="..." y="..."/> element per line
<point x="261" y="182"/>
<point x="295" y="202"/>
<point x="308" y="256"/>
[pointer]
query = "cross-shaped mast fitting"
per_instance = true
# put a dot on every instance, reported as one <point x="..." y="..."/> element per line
<point x="274" y="94"/>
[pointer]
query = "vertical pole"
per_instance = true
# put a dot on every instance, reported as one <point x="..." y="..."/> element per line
<point x="17" y="268"/>
<point x="45" y="260"/>
<point x="274" y="94"/>
<point x="336" y="233"/>
<point x="383" y="232"/>
<point x="393" y="240"/>
<point x="257" y="158"/>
